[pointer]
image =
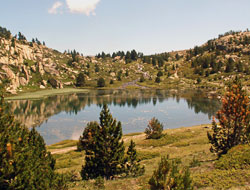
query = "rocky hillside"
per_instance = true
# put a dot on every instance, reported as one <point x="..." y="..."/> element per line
<point x="28" y="66"/>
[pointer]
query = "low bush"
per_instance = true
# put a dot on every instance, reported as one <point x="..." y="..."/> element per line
<point x="154" y="129"/>
<point x="236" y="158"/>
<point x="169" y="175"/>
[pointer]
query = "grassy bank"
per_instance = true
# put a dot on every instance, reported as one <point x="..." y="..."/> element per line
<point x="44" y="93"/>
<point x="190" y="144"/>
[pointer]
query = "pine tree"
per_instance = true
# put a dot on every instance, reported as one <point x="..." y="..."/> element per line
<point x="24" y="160"/>
<point x="86" y="140"/>
<point x="134" y="55"/>
<point x="159" y="74"/>
<point x="154" y="129"/>
<point x="234" y="120"/>
<point x="105" y="156"/>
<point x="101" y="82"/>
<point x="132" y="164"/>
<point x="169" y="175"/>
<point x="80" y="80"/>
<point x="97" y="69"/>
<point x="157" y="79"/>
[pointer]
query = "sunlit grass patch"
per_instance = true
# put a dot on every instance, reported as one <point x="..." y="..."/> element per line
<point x="69" y="159"/>
<point x="63" y="144"/>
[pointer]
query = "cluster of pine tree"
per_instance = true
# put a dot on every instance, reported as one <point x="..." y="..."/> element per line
<point x="4" y="33"/>
<point x="129" y="56"/>
<point x="74" y="57"/>
<point x="213" y="46"/>
<point x="105" y="151"/>
<point x="156" y="60"/>
<point x="37" y="41"/>
<point x="209" y="64"/>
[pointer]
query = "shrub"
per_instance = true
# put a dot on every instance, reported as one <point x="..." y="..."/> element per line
<point x="132" y="164"/>
<point x="194" y="163"/>
<point x="237" y="158"/>
<point x="154" y="129"/>
<point x="99" y="183"/>
<point x="159" y="74"/>
<point x="53" y="82"/>
<point x="169" y="175"/>
<point x="234" y="120"/>
<point x="157" y="79"/>
<point x="198" y="80"/>
<point x="101" y="82"/>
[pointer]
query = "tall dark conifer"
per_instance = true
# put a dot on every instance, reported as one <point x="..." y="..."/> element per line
<point x="24" y="160"/>
<point x="106" y="155"/>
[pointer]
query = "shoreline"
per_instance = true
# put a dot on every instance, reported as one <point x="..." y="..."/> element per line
<point x="45" y="93"/>
<point x="38" y="94"/>
<point x="70" y="145"/>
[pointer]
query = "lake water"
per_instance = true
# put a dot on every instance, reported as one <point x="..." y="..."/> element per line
<point x="64" y="117"/>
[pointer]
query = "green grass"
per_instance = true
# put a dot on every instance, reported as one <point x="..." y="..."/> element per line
<point x="43" y="93"/>
<point x="69" y="160"/>
<point x="132" y="134"/>
<point x="236" y="158"/>
<point x="63" y="144"/>
<point x="190" y="144"/>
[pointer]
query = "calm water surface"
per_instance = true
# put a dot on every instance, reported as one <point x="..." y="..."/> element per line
<point x="64" y="117"/>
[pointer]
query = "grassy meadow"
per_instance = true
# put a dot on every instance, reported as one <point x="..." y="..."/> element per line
<point x="190" y="144"/>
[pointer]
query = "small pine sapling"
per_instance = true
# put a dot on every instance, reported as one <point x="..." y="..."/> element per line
<point x="154" y="129"/>
<point x="132" y="163"/>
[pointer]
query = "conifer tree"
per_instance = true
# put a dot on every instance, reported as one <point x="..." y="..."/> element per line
<point x="132" y="163"/>
<point x="234" y="120"/>
<point x="157" y="79"/>
<point x="80" y="80"/>
<point x="24" y="160"/>
<point x="154" y="129"/>
<point x="105" y="156"/>
<point x="100" y="82"/>
<point x="86" y="140"/>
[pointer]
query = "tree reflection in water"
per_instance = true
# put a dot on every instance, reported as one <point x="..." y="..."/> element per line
<point x="36" y="112"/>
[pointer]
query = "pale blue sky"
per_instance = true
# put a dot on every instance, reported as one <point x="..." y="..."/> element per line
<point x="149" y="26"/>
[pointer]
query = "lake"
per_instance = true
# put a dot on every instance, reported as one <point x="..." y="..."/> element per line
<point x="62" y="117"/>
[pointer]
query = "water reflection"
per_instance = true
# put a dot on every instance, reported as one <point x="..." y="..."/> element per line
<point x="63" y="116"/>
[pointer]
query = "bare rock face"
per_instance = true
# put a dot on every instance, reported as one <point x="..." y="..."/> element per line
<point x="51" y="70"/>
<point x="26" y="73"/>
<point x="10" y="74"/>
<point x="68" y="83"/>
<point x="44" y="82"/>
<point x="14" y="80"/>
<point x="4" y="60"/>
<point x="40" y="68"/>
<point x="42" y="87"/>
<point x="23" y="81"/>
<point x="33" y="68"/>
<point x="112" y="74"/>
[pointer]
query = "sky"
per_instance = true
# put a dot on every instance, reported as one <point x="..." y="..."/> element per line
<point x="148" y="26"/>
